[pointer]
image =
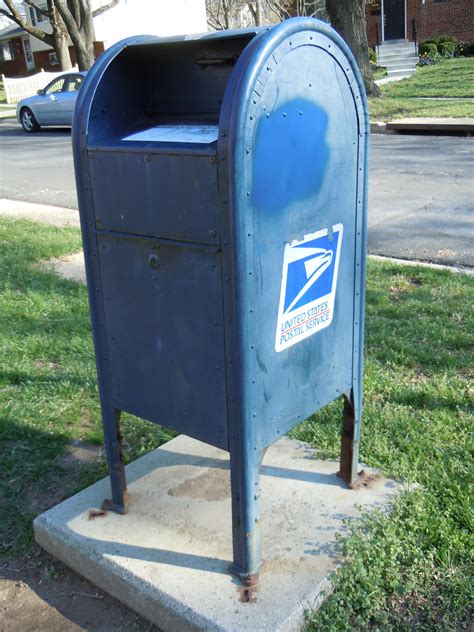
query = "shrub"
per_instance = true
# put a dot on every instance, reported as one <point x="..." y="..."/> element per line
<point x="446" y="38"/>
<point x="446" y="48"/>
<point x="465" y="49"/>
<point x="428" y="53"/>
<point x="372" y="56"/>
<point x="428" y="49"/>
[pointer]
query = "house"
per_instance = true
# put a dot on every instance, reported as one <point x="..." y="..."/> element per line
<point x="15" y="46"/>
<point x="428" y="18"/>
<point x="20" y="53"/>
<point x="16" y="57"/>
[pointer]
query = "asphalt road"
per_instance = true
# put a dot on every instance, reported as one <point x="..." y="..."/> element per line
<point x="420" y="201"/>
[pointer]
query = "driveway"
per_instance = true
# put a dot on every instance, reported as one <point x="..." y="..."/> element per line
<point x="421" y="198"/>
<point x="37" y="167"/>
<point x="421" y="189"/>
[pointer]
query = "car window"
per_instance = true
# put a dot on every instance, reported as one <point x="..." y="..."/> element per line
<point x="74" y="83"/>
<point x="55" y="86"/>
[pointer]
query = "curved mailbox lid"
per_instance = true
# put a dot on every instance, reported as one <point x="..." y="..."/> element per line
<point x="294" y="133"/>
<point x="85" y="101"/>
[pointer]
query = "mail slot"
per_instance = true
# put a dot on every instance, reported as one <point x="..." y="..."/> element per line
<point x="222" y="184"/>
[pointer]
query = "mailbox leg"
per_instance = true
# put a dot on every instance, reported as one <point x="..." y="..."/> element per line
<point x="348" y="468"/>
<point x="115" y="461"/>
<point x="245" y="484"/>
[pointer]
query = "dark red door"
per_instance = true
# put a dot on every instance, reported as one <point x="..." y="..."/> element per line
<point x="394" y="19"/>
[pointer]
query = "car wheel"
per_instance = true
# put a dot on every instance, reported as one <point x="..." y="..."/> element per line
<point x="28" y="121"/>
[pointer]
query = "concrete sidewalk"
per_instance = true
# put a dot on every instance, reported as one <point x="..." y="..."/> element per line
<point x="54" y="215"/>
<point x="72" y="266"/>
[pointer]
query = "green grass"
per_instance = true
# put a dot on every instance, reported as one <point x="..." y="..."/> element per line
<point x="451" y="78"/>
<point x="410" y="570"/>
<point x="386" y="108"/>
<point x="48" y="392"/>
<point x="380" y="72"/>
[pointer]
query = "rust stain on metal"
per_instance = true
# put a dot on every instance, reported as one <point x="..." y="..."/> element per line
<point x="363" y="480"/>
<point x="248" y="588"/>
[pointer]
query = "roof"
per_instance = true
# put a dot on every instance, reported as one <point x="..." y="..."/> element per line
<point x="11" y="31"/>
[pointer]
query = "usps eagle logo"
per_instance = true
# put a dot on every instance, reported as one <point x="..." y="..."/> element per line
<point x="308" y="286"/>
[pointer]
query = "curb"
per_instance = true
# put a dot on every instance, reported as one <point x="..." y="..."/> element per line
<point x="60" y="216"/>
<point x="379" y="127"/>
<point x="422" y="264"/>
<point x="53" y="215"/>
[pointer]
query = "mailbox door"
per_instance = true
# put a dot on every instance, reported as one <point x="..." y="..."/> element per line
<point x="156" y="193"/>
<point x="163" y="318"/>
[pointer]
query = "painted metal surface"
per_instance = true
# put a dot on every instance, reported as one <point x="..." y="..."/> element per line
<point x="226" y="279"/>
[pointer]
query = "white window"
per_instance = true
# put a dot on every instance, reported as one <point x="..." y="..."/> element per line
<point x="28" y="53"/>
<point x="7" y="52"/>
<point x="53" y="59"/>
<point x="35" y="16"/>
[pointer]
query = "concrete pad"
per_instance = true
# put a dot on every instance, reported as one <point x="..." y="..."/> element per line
<point x="54" y="215"/>
<point x="168" y="557"/>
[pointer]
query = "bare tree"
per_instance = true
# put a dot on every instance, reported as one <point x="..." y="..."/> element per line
<point x="58" y="39"/>
<point x="348" y="18"/>
<point x="255" y="9"/>
<point x="220" y="13"/>
<point x="228" y="14"/>
<point x="78" y="16"/>
<point x="285" y="9"/>
<point x="73" y="18"/>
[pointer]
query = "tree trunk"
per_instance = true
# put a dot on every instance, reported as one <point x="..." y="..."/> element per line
<point x="84" y="54"/>
<point x="348" y="18"/>
<point x="62" y="51"/>
<point x="256" y="11"/>
<point x="61" y="45"/>
<point x="77" y="17"/>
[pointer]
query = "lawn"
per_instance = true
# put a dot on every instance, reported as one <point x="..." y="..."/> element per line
<point x="450" y="78"/>
<point x="407" y="571"/>
<point x="433" y="91"/>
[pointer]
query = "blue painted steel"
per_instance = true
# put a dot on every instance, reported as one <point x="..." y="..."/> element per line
<point x="226" y="279"/>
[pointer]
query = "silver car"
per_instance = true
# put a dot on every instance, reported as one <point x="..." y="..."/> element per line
<point x="53" y="105"/>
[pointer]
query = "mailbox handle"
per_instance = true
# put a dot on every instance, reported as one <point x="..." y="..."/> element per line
<point x="216" y="61"/>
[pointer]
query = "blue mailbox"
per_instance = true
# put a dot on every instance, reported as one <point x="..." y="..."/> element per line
<point x="222" y="183"/>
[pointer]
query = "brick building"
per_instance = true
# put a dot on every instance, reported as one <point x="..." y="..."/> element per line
<point x="15" y="51"/>
<point x="431" y="17"/>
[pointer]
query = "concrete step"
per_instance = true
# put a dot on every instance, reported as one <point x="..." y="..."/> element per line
<point x="399" y="64"/>
<point x="389" y="56"/>
<point x="396" y="48"/>
<point x="401" y="73"/>
<point x="392" y="52"/>
<point x="395" y="42"/>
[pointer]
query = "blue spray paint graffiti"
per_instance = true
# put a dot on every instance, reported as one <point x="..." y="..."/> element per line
<point x="290" y="155"/>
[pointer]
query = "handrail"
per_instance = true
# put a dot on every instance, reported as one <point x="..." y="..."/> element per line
<point x="377" y="38"/>
<point x="414" y="34"/>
